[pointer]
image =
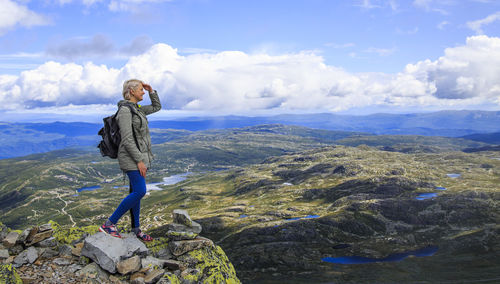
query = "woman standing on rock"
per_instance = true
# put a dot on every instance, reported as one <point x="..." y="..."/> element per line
<point x="134" y="152"/>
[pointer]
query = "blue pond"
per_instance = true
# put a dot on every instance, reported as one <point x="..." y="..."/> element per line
<point x="167" y="181"/>
<point x="243" y="216"/>
<point x="453" y="175"/>
<point x="306" y="217"/>
<point x="427" y="251"/>
<point x="88" y="188"/>
<point x="440" y="188"/>
<point x="424" y="196"/>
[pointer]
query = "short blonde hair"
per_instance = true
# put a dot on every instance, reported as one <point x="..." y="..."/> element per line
<point x="129" y="85"/>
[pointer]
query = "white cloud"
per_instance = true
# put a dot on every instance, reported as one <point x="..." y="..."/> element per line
<point x="97" y="46"/>
<point x="477" y="26"/>
<point x="233" y="81"/>
<point x="380" y="51"/>
<point x="13" y="14"/>
<point x="130" y="5"/>
<point x="442" y="25"/>
<point x="432" y="5"/>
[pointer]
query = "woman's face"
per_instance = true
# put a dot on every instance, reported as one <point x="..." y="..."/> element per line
<point x="137" y="93"/>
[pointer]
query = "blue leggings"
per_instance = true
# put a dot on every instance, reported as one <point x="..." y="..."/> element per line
<point x="132" y="202"/>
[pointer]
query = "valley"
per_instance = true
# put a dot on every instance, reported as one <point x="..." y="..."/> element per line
<point x="281" y="199"/>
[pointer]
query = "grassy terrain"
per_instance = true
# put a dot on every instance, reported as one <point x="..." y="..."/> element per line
<point x="248" y="183"/>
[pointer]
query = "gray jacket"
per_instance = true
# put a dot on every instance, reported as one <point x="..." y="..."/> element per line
<point x="130" y="153"/>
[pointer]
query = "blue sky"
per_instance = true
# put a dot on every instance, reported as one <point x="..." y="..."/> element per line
<point x="60" y="57"/>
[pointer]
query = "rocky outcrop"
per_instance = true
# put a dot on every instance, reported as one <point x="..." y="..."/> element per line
<point x="76" y="255"/>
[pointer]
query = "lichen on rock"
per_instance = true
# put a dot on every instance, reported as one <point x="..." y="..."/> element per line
<point x="8" y="274"/>
<point x="209" y="265"/>
<point x="68" y="235"/>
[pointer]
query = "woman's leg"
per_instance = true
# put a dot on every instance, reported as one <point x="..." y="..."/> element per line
<point x="132" y="201"/>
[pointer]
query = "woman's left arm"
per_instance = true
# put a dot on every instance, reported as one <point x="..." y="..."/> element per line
<point x="155" y="101"/>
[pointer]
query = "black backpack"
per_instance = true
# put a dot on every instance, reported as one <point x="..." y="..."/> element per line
<point x="111" y="137"/>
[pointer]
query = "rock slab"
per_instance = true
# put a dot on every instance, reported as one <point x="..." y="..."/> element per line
<point x="129" y="265"/>
<point x="182" y="217"/>
<point x="107" y="251"/>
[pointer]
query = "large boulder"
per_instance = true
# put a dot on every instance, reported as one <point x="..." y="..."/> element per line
<point x="107" y="251"/>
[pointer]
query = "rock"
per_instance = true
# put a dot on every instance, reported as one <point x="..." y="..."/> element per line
<point x="137" y="275"/>
<point x="153" y="276"/>
<point x="27" y="256"/>
<point x="169" y="278"/>
<point x="47" y="243"/>
<point x="44" y="227"/>
<point x="179" y="232"/>
<point x="10" y="240"/>
<point x="15" y="250"/>
<point x="182" y="217"/>
<point x="74" y="268"/>
<point x="4" y="254"/>
<point x="23" y="236"/>
<point x="93" y="271"/>
<point x="174" y="264"/>
<point x="8" y="274"/>
<point x="38" y="237"/>
<point x="235" y="209"/>
<point x="107" y="251"/>
<point x="65" y="250"/>
<point x="62" y="261"/>
<point x="181" y="247"/>
<point x="152" y="262"/>
<point x="3" y="231"/>
<point x="77" y="250"/>
<point x="129" y="265"/>
<point x="139" y="280"/>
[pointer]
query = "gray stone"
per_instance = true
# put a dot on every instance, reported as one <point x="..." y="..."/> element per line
<point x="3" y="231"/>
<point x="129" y="265"/>
<point x="38" y="237"/>
<point x="182" y="217"/>
<point x="27" y="256"/>
<point x="62" y="261"/>
<point x="93" y="271"/>
<point x="152" y="262"/>
<point x="4" y="254"/>
<point x="164" y="253"/>
<point x="48" y="243"/>
<point x="44" y="227"/>
<point x="65" y="250"/>
<point x="15" y="250"/>
<point x="107" y="251"/>
<point x="48" y="253"/>
<point x="181" y="247"/>
<point x="74" y="268"/>
<point x="10" y="240"/>
<point x="23" y="236"/>
<point x="138" y="280"/>
<point x="153" y="276"/>
<point x="194" y="228"/>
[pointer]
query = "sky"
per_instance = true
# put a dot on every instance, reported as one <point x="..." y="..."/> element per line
<point x="67" y="59"/>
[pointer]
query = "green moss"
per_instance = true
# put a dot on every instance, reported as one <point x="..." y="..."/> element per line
<point x="172" y="278"/>
<point x="9" y="275"/>
<point x="67" y="235"/>
<point x="213" y="266"/>
<point x="157" y="244"/>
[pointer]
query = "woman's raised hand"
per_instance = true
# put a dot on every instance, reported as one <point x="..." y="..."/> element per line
<point x="147" y="87"/>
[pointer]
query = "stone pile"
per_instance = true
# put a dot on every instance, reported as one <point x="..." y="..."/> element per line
<point x="43" y="254"/>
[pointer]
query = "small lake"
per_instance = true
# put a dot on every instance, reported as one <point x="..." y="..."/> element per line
<point x="453" y="175"/>
<point x="242" y="216"/>
<point x="306" y="217"/>
<point x="427" y="195"/>
<point x="427" y="251"/>
<point x="167" y="181"/>
<point x="440" y="188"/>
<point x="89" y="188"/>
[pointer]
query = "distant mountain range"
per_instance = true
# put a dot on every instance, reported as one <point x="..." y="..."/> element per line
<point x="19" y="139"/>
